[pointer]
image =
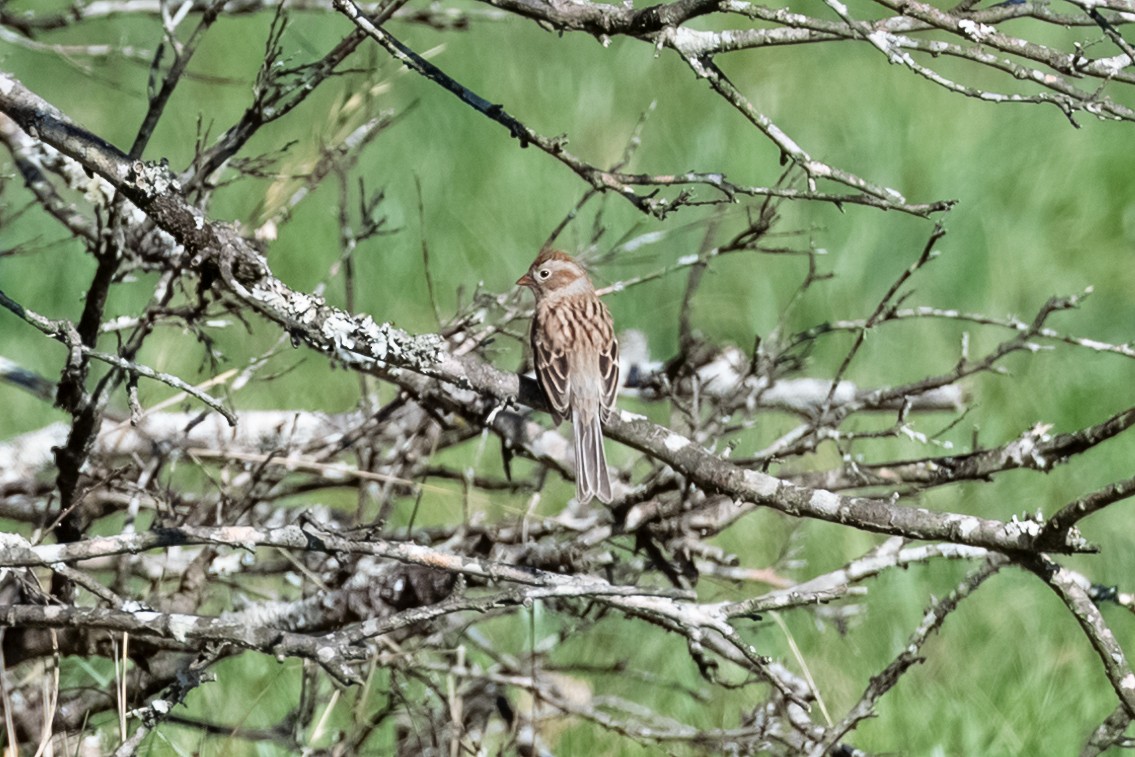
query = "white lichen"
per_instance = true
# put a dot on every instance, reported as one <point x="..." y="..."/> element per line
<point x="975" y="31"/>
<point x="825" y="502"/>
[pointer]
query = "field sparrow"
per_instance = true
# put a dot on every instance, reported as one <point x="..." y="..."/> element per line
<point x="577" y="361"/>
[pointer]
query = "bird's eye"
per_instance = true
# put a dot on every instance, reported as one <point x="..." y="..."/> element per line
<point x="544" y="273"/>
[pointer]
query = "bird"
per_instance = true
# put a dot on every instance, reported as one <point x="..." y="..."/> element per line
<point x="577" y="361"/>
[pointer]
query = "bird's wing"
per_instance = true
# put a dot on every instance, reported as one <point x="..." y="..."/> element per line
<point x="551" y="371"/>
<point x="609" y="366"/>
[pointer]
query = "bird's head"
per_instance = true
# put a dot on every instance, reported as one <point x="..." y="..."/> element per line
<point x="555" y="272"/>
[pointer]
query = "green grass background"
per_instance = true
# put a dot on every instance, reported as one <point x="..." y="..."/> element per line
<point x="1044" y="209"/>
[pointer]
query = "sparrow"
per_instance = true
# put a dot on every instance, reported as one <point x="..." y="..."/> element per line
<point x="577" y="361"/>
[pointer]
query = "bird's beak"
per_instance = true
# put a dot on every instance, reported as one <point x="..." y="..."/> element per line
<point x="524" y="281"/>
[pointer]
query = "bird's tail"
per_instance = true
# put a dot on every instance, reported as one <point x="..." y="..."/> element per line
<point x="592" y="478"/>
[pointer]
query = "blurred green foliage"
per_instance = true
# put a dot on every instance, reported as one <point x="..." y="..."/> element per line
<point x="1044" y="209"/>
